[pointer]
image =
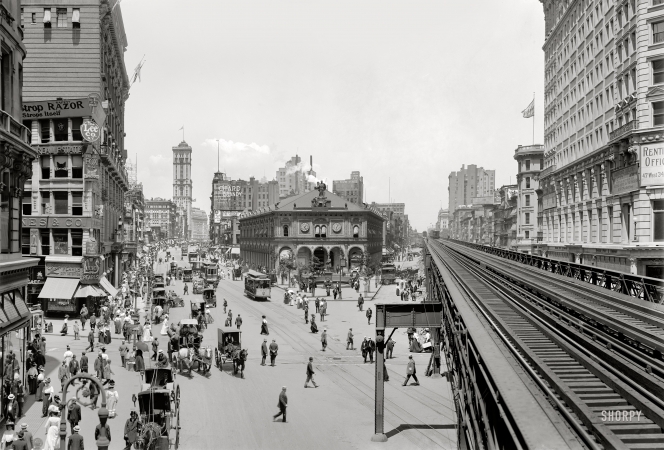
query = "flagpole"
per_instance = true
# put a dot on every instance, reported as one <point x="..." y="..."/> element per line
<point x="533" y="118"/>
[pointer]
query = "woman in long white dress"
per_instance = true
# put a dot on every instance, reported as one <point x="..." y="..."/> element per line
<point x="52" y="441"/>
<point x="164" y="327"/>
<point x="147" y="333"/>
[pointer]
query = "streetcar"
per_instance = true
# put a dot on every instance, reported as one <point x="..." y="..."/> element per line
<point x="388" y="273"/>
<point x="257" y="285"/>
<point x="210" y="274"/>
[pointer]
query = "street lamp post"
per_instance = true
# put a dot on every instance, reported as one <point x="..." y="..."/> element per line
<point x="103" y="441"/>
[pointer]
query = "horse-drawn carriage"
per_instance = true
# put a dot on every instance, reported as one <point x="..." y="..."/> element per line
<point x="159" y="408"/>
<point x="197" y="306"/>
<point x="210" y="297"/>
<point x="188" y="349"/>
<point x="175" y="299"/>
<point x="229" y="348"/>
<point x="199" y="286"/>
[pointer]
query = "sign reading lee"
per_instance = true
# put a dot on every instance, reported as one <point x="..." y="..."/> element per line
<point x="652" y="166"/>
<point x="90" y="130"/>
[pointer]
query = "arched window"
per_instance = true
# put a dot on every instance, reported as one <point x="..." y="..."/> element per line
<point x="286" y="230"/>
<point x="323" y="231"/>
<point x="317" y="231"/>
<point x="356" y="231"/>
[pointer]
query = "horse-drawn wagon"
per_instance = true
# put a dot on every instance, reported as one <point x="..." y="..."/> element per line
<point x="189" y="349"/>
<point x="210" y="297"/>
<point x="159" y="408"/>
<point x="197" y="306"/>
<point x="229" y="348"/>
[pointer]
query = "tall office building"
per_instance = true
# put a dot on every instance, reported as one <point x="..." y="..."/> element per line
<point x="293" y="179"/>
<point x="182" y="186"/>
<point x="603" y="133"/>
<point x="469" y="183"/>
<point x="351" y="189"/>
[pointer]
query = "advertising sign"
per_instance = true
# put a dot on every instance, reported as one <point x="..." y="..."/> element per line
<point x="90" y="130"/>
<point x="91" y="270"/>
<point x="652" y="166"/>
<point x="59" y="222"/>
<point x="228" y="196"/>
<point x="60" y="109"/>
<point x="549" y="201"/>
<point x="625" y="180"/>
<point x="217" y="216"/>
<point x="60" y="270"/>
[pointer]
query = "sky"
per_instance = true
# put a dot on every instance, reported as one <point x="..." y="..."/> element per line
<point x="403" y="91"/>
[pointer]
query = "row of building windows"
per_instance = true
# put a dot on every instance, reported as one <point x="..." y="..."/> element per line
<point x="56" y="130"/>
<point x="320" y="231"/>
<point x="55" y="202"/>
<point x="60" y="15"/>
<point x="55" y="241"/>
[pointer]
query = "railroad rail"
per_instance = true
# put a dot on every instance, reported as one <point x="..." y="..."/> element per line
<point x="591" y="365"/>
<point x="645" y="288"/>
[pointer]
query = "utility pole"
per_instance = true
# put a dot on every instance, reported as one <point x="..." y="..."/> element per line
<point x="217" y="155"/>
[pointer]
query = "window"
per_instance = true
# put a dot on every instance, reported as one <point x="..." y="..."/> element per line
<point x="527" y="200"/>
<point x="62" y="17"/>
<point x="323" y="231"/>
<point x="45" y="130"/>
<point x="47" y="17"/>
<point x="527" y="164"/>
<point x="45" y="241"/>
<point x="46" y="203"/>
<point x="658" y="220"/>
<point x="60" y="241"/>
<point x="25" y="241"/>
<point x="61" y="130"/>
<point x="657" y="32"/>
<point x="77" y="203"/>
<point x="77" y="166"/>
<point x="286" y="230"/>
<point x="61" y="200"/>
<point x="34" y="17"/>
<point x="317" y="231"/>
<point x="356" y="231"/>
<point x="76" y="123"/>
<point x="27" y="203"/>
<point x="60" y="163"/>
<point x="658" y="113"/>
<point x="527" y="218"/>
<point x="527" y="182"/>
<point x="76" y="18"/>
<point x="5" y="225"/>
<point x="527" y="234"/>
<point x="77" y="242"/>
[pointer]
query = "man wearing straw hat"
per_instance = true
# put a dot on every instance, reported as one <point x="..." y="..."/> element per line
<point x="75" y="440"/>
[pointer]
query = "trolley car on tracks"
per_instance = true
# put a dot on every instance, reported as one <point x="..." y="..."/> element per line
<point x="257" y="285"/>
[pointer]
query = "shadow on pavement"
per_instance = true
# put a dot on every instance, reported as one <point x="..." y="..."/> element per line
<point x="408" y="426"/>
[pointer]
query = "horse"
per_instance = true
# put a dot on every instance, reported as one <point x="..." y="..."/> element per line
<point x="184" y="360"/>
<point x="204" y="359"/>
<point x="239" y="357"/>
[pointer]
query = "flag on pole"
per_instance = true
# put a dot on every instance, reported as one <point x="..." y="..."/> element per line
<point x="529" y="111"/>
<point x="116" y="4"/>
<point x="137" y="71"/>
<point x="181" y="128"/>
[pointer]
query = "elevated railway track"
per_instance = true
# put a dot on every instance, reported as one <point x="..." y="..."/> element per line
<point x="583" y="360"/>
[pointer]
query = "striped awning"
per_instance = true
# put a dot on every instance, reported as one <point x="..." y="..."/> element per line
<point x="108" y="287"/>
<point x="60" y="288"/>
<point x="89" y="291"/>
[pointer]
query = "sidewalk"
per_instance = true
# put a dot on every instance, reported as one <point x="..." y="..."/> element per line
<point x="348" y="294"/>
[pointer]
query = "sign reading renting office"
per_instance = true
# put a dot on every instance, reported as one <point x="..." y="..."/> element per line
<point x="652" y="166"/>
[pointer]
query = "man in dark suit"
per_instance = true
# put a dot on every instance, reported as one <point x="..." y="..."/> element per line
<point x="274" y="348"/>
<point x="20" y="443"/>
<point x="283" y="403"/>
<point x="74" y="415"/>
<point x="264" y="351"/>
<point x="27" y="435"/>
<point x="76" y="440"/>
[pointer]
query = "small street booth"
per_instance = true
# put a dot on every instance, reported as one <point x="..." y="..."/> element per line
<point x="74" y="281"/>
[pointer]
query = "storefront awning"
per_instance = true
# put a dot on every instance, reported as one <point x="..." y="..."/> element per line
<point x="61" y="288"/>
<point x="89" y="291"/>
<point x="108" y="287"/>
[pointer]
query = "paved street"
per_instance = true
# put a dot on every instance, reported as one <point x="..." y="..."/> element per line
<point x="338" y="414"/>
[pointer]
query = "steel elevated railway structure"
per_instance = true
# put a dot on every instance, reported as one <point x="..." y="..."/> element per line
<point x="544" y="354"/>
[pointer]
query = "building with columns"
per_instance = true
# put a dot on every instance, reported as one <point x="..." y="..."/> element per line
<point x="182" y="186"/>
<point x="314" y="224"/>
<point x="602" y="186"/>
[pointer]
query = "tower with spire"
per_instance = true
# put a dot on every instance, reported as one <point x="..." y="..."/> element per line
<point x="182" y="186"/>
